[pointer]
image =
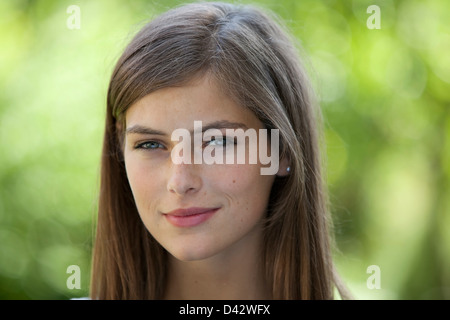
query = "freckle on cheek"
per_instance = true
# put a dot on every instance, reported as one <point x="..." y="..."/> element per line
<point x="234" y="181"/>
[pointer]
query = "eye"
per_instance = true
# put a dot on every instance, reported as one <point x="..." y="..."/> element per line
<point x="149" y="145"/>
<point x="223" y="141"/>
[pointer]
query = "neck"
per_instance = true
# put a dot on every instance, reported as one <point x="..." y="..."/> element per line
<point x="235" y="274"/>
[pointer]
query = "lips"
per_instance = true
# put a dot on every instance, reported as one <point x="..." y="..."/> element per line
<point x="190" y="217"/>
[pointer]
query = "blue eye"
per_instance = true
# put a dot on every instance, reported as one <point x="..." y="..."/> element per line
<point x="149" y="145"/>
<point x="223" y="141"/>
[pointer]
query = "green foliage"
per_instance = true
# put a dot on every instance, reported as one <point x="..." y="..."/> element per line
<point x="385" y="98"/>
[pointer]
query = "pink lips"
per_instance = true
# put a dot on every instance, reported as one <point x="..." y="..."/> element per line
<point x="189" y="217"/>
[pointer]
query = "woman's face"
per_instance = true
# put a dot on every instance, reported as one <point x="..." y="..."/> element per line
<point x="234" y="196"/>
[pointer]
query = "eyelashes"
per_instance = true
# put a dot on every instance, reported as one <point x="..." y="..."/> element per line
<point x="224" y="141"/>
<point x="155" y="145"/>
<point x="148" y="145"/>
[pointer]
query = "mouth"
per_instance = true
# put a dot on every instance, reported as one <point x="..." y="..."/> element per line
<point x="190" y="217"/>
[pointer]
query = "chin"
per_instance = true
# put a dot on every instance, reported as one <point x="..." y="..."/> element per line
<point x="192" y="254"/>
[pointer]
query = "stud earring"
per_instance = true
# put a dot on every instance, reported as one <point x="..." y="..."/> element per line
<point x="288" y="169"/>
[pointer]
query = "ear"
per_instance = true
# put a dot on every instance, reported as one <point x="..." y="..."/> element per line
<point x="283" y="167"/>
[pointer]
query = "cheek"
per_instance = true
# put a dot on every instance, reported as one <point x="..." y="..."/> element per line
<point x="244" y="187"/>
<point x="143" y="182"/>
<point x="134" y="175"/>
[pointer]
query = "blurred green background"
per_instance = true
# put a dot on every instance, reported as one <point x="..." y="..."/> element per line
<point x="385" y="95"/>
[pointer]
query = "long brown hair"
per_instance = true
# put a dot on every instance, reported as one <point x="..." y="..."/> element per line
<point x="252" y="57"/>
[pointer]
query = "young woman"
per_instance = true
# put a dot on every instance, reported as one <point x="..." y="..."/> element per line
<point x="180" y="230"/>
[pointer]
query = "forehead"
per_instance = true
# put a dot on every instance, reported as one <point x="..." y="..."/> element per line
<point x="178" y="107"/>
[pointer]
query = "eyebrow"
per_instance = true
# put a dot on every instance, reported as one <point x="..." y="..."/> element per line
<point x="221" y="124"/>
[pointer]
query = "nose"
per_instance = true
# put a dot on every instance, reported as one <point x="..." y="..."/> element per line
<point x="184" y="178"/>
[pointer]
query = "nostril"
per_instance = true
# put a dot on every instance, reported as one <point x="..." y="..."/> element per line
<point x="184" y="178"/>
